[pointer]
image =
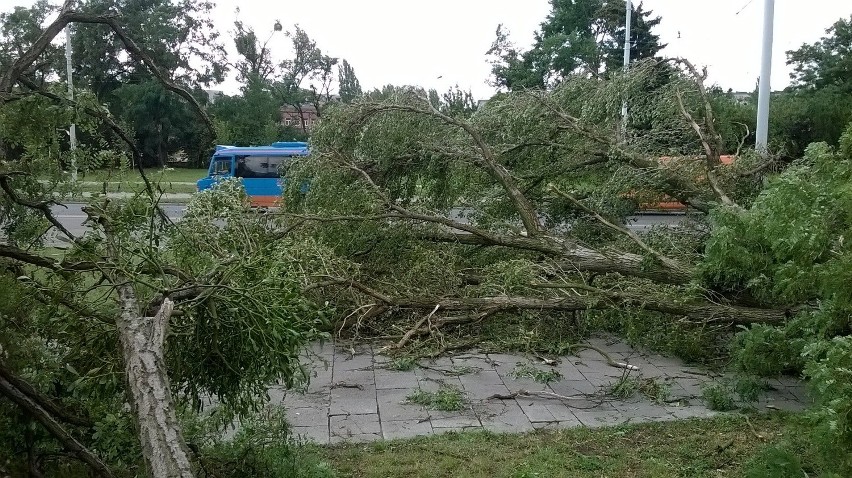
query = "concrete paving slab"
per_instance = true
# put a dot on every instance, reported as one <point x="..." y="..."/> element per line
<point x="389" y="379"/>
<point x="479" y="391"/>
<point x="599" y="418"/>
<point x="317" y="434"/>
<point x="351" y="398"/>
<point x="461" y="421"/>
<point x="392" y="406"/>
<point x="472" y="359"/>
<point x="535" y="409"/>
<point x="393" y="429"/>
<point x="353" y="401"/>
<point x="431" y="384"/>
<point x="483" y="378"/>
<point x="307" y="417"/>
<point x="353" y="425"/>
<point x="574" y="387"/>
<point x="562" y="413"/>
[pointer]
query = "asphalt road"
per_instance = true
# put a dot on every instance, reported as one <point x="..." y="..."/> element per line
<point x="72" y="216"/>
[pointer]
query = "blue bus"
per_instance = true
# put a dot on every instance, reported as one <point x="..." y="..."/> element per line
<point x="260" y="169"/>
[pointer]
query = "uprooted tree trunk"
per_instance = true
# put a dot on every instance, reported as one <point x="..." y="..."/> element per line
<point x="142" y="339"/>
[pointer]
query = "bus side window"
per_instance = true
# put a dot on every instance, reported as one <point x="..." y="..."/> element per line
<point x="257" y="167"/>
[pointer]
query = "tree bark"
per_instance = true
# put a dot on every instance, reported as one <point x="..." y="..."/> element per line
<point x="627" y="264"/>
<point x="572" y="256"/>
<point x="594" y="299"/>
<point x="142" y="338"/>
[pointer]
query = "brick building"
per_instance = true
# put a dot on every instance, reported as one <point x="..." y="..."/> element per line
<point x="303" y="120"/>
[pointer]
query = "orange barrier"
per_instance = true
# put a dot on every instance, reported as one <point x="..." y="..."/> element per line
<point x="265" y="201"/>
<point x="669" y="204"/>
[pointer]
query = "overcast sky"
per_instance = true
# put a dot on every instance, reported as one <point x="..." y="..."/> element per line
<point x="411" y="42"/>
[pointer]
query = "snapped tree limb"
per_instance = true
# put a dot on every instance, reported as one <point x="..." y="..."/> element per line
<point x="597" y="299"/>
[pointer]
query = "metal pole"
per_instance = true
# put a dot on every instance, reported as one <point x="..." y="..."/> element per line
<point x="765" y="75"/>
<point x="629" y="8"/>
<point x="72" y="133"/>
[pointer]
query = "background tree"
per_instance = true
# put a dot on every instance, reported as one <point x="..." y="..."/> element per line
<point x="305" y="81"/>
<point x="350" y="87"/>
<point x="253" y="117"/>
<point x="583" y="37"/>
<point x="179" y="35"/>
<point x="255" y="66"/>
<point x="458" y="102"/>
<point x="306" y="78"/>
<point x="819" y="103"/>
<point x="827" y="62"/>
<point x="19" y="29"/>
<point x="250" y="119"/>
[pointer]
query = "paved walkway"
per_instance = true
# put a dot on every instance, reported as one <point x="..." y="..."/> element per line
<point x="356" y="396"/>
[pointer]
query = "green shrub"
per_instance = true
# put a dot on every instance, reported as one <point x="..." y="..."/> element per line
<point x="719" y="397"/>
<point x="749" y="389"/>
<point x="774" y="462"/>
<point x="766" y="351"/>
<point x="830" y="371"/>
<point x="263" y="446"/>
<point x="446" y="399"/>
<point x="792" y="249"/>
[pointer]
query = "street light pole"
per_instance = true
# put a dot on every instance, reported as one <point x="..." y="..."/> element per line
<point x="762" y="134"/>
<point x="629" y="8"/>
<point x="72" y="133"/>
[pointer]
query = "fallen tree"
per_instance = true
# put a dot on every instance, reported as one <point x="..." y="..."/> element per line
<point x="545" y="182"/>
<point x="443" y="224"/>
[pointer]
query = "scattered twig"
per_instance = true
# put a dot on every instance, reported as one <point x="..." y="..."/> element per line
<point x="695" y="372"/>
<point x="347" y="385"/>
<point x="606" y="356"/>
<point x="67" y="440"/>
<point x="41" y="206"/>
<point x="405" y="338"/>
<point x="458" y="346"/>
<point x="753" y="430"/>
<point x="545" y="394"/>
<point x="743" y="139"/>
<point x="759" y="168"/>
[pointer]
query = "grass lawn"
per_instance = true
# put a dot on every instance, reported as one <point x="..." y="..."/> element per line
<point x="137" y="186"/>
<point x="178" y="180"/>
<point x="721" y="446"/>
<point x="154" y="174"/>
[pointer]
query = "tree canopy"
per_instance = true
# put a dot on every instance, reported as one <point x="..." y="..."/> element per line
<point x="583" y="37"/>
<point x="827" y="62"/>
<point x="819" y="103"/>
